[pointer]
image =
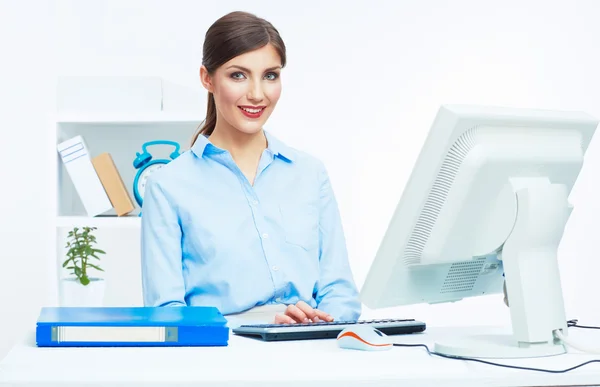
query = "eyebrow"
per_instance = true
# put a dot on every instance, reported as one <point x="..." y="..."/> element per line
<point x="248" y="71"/>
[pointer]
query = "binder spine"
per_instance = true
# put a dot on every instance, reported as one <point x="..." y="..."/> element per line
<point x="123" y="336"/>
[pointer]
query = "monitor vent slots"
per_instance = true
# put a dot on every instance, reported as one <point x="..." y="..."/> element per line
<point x="437" y="195"/>
<point x="462" y="276"/>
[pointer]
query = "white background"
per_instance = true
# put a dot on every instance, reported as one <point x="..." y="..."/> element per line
<point x="362" y="86"/>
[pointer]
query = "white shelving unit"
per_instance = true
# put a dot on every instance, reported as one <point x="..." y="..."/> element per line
<point x="122" y="135"/>
<point x="114" y="222"/>
<point x="121" y="118"/>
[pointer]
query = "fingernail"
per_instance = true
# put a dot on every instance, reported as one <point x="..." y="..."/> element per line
<point x="316" y="319"/>
<point x="306" y="320"/>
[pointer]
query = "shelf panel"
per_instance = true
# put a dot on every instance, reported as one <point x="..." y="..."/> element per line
<point x="122" y="118"/>
<point x="99" y="221"/>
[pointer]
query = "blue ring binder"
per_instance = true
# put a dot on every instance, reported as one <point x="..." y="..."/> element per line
<point x="131" y="326"/>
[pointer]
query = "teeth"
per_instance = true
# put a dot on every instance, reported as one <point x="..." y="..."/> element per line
<point x="252" y="111"/>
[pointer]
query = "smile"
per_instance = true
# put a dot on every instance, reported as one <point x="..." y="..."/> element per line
<point x="252" y="112"/>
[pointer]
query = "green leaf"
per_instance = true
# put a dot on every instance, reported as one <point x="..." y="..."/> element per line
<point x="95" y="267"/>
<point x="80" y="250"/>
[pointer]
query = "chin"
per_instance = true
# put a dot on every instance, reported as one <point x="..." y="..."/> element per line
<point x="249" y="129"/>
<point x="250" y="126"/>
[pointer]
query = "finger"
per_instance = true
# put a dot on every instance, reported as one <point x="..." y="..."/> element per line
<point x="295" y="312"/>
<point x="323" y="315"/>
<point x="307" y="309"/>
<point x="283" y="319"/>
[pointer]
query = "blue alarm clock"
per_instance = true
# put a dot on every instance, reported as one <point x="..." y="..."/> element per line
<point x="145" y="165"/>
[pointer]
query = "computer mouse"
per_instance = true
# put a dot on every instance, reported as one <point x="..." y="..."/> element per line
<point x="363" y="337"/>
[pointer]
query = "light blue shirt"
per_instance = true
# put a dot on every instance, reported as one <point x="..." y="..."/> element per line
<point x="209" y="237"/>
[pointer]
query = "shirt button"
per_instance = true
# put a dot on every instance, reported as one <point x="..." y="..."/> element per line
<point x="255" y="202"/>
<point x="275" y="268"/>
<point x="265" y="235"/>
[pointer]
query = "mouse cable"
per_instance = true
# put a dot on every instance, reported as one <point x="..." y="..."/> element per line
<point x="574" y="324"/>
<point x="495" y="364"/>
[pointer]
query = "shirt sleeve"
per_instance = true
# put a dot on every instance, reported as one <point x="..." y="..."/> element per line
<point x="336" y="290"/>
<point x="162" y="276"/>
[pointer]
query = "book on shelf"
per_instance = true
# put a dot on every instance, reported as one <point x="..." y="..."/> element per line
<point x="76" y="158"/>
<point x="113" y="184"/>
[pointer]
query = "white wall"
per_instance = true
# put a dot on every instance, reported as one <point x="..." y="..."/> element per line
<point x="363" y="84"/>
<point x="27" y="72"/>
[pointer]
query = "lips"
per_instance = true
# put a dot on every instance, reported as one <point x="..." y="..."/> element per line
<point x="252" y="111"/>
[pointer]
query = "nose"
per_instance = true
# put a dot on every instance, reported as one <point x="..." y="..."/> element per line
<point x="255" y="91"/>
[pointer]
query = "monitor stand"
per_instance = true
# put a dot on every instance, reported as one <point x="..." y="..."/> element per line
<point x="533" y="286"/>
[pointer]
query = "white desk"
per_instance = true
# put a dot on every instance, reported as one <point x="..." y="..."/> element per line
<point x="250" y="362"/>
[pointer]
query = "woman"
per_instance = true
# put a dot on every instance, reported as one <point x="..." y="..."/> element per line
<point x="241" y="220"/>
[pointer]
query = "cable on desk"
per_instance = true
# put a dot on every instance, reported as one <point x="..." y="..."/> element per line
<point x="571" y="324"/>
<point x="583" y="348"/>
<point x="574" y="324"/>
<point x="496" y="364"/>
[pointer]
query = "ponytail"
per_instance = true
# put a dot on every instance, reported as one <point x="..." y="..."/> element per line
<point x="210" y="121"/>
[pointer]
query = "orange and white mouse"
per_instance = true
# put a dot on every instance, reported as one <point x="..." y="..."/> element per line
<point x="363" y="337"/>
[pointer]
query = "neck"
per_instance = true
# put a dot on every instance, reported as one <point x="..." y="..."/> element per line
<point x="241" y="146"/>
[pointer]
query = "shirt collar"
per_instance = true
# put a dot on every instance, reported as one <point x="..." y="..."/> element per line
<point x="279" y="148"/>
<point x="203" y="145"/>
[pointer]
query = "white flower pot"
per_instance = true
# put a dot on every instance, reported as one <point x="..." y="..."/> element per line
<point x="73" y="293"/>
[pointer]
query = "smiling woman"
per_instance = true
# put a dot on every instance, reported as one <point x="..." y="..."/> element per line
<point x="241" y="220"/>
<point x="242" y="59"/>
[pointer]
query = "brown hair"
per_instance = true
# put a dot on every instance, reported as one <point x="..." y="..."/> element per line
<point x="231" y="35"/>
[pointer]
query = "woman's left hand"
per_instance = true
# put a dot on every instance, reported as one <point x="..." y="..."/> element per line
<point x="302" y="313"/>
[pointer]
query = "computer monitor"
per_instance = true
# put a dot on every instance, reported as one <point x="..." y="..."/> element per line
<point x="487" y="201"/>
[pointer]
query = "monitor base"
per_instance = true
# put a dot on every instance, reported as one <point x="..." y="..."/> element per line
<point x="495" y="346"/>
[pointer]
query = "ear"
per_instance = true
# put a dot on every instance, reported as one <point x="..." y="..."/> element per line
<point x="206" y="79"/>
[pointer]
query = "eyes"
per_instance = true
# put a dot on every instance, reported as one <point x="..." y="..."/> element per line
<point x="238" y="75"/>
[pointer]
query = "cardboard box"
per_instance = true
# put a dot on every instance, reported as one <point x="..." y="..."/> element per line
<point x="113" y="184"/>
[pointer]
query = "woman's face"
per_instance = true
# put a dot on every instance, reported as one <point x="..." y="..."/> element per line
<point x="246" y="89"/>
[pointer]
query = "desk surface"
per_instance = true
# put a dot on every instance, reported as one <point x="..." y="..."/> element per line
<point x="293" y="363"/>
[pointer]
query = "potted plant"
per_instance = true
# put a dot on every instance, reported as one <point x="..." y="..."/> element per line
<point x="82" y="288"/>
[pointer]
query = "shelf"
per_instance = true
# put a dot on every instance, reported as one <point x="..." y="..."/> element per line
<point x="115" y="115"/>
<point x="123" y="118"/>
<point x="131" y="221"/>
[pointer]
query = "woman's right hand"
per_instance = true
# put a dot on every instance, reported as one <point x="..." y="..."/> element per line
<point x="301" y="313"/>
